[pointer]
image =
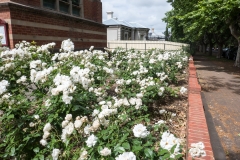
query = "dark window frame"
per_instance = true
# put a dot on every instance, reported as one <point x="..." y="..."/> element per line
<point x="74" y="6"/>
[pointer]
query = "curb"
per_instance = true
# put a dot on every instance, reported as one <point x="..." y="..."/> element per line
<point x="197" y="129"/>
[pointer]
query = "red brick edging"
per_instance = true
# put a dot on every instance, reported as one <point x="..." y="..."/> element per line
<point x="197" y="130"/>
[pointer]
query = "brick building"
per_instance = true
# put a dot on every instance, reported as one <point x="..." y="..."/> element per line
<point x="45" y="21"/>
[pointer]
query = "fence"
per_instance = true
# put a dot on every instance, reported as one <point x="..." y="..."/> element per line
<point x="146" y="45"/>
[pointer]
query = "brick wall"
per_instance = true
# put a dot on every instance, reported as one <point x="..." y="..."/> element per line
<point x="197" y="130"/>
<point x="93" y="10"/>
<point x="35" y="3"/>
<point x="44" y="26"/>
<point x="5" y="14"/>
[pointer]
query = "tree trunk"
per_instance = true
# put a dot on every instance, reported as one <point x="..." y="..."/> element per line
<point x="204" y="48"/>
<point x="200" y="48"/>
<point x="236" y="35"/>
<point x="237" y="61"/>
<point x="210" y="49"/>
<point x="220" y="51"/>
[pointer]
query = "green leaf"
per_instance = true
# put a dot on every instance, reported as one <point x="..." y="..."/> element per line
<point x="26" y="138"/>
<point x="67" y="142"/>
<point x="41" y="157"/>
<point x="11" y="116"/>
<point x="76" y="107"/>
<point x="126" y="145"/>
<point x="148" y="153"/>
<point x="166" y="156"/>
<point x="137" y="142"/>
<point x="99" y="148"/>
<point x="173" y="148"/>
<point x="137" y="148"/>
<point x="178" y="156"/>
<point x="149" y="143"/>
<point x="162" y="152"/>
<point x="119" y="149"/>
<point x="105" y="137"/>
<point x="12" y="151"/>
<point x="36" y="150"/>
<point x="124" y="138"/>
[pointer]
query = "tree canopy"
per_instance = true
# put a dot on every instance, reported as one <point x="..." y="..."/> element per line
<point x="191" y="21"/>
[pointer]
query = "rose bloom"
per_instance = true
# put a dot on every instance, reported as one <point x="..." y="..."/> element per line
<point x="31" y="124"/>
<point x="68" y="117"/>
<point x="105" y="152"/>
<point x="84" y="155"/>
<point x="36" y="116"/>
<point x="69" y="128"/>
<point x="43" y="142"/>
<point x="47" y="127"/>
<point x="64" y="123"/>
<point x="91" y="141"/>
<point x="78" y="124"/>
<point x="87" y="129"/>
<point x="183" y="90"/>
<point x="126" y="156"/>
<point x="199" y="145"/>
<point x="140" y="130"/>
<point x="195" y="152"/>
<point x="55" y="154"/>
<point x="96" y="124"/>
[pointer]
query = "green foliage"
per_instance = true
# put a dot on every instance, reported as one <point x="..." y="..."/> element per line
<point x="190" y="21"/>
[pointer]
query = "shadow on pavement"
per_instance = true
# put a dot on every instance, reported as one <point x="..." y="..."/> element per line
<point x="213" y="83"/>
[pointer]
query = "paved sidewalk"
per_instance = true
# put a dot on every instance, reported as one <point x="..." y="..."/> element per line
<point x="220" y="82"/>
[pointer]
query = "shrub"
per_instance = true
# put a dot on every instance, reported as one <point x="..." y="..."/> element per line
<point x="85" y="104"/>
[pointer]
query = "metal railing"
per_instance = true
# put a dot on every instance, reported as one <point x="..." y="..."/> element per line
<point x="146" y="45"/>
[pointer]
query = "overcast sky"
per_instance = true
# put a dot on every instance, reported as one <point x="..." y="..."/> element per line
<point x="149" y="13"/>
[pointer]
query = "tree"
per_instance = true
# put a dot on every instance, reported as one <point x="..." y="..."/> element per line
<point x="166" y="34"/>
<point x="207" y="16"/>
<point x="221" y="38"/>
<point x="176" y="22"/>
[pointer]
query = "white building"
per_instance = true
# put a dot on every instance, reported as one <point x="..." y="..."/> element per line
<point x="122" y="30"/>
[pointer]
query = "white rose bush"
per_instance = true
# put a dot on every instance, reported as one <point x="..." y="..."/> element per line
<point x="87" y="104"/>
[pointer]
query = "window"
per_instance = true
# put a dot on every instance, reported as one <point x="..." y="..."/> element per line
<point x="72" y="7"/>
<point x="75" y="2"/>
<point x="64" y="6"/>
<point x="50" y="4"/>
<point x="76" y="7"/>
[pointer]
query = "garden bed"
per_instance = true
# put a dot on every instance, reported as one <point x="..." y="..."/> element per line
<point x="91" y="104"/>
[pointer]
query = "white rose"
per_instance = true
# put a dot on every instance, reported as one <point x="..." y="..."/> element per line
<point x="43" y="142"/>
<point x="36" y="116"/>
<point x="127" y="156"/>
<point x="46" y="135"/>
<point x="47" y="127"/>
<point x="84" y="155"/>
<point x="69" y="128"/>
<point x="68" y="117"/>
<point x="105" y="152"/>
<point x="31" y="124"/>
<point x="64" y="123"/>
<point x="78" y="124"/>
<point x="91" y="141"/>
<point x="18" y="73"/>
<point x="55" y="154"/>
<point x="96" y="124"/>
<point x="140" y="130"/>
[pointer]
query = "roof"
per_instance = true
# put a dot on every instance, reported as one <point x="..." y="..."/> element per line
<point x="112" y="22"/>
